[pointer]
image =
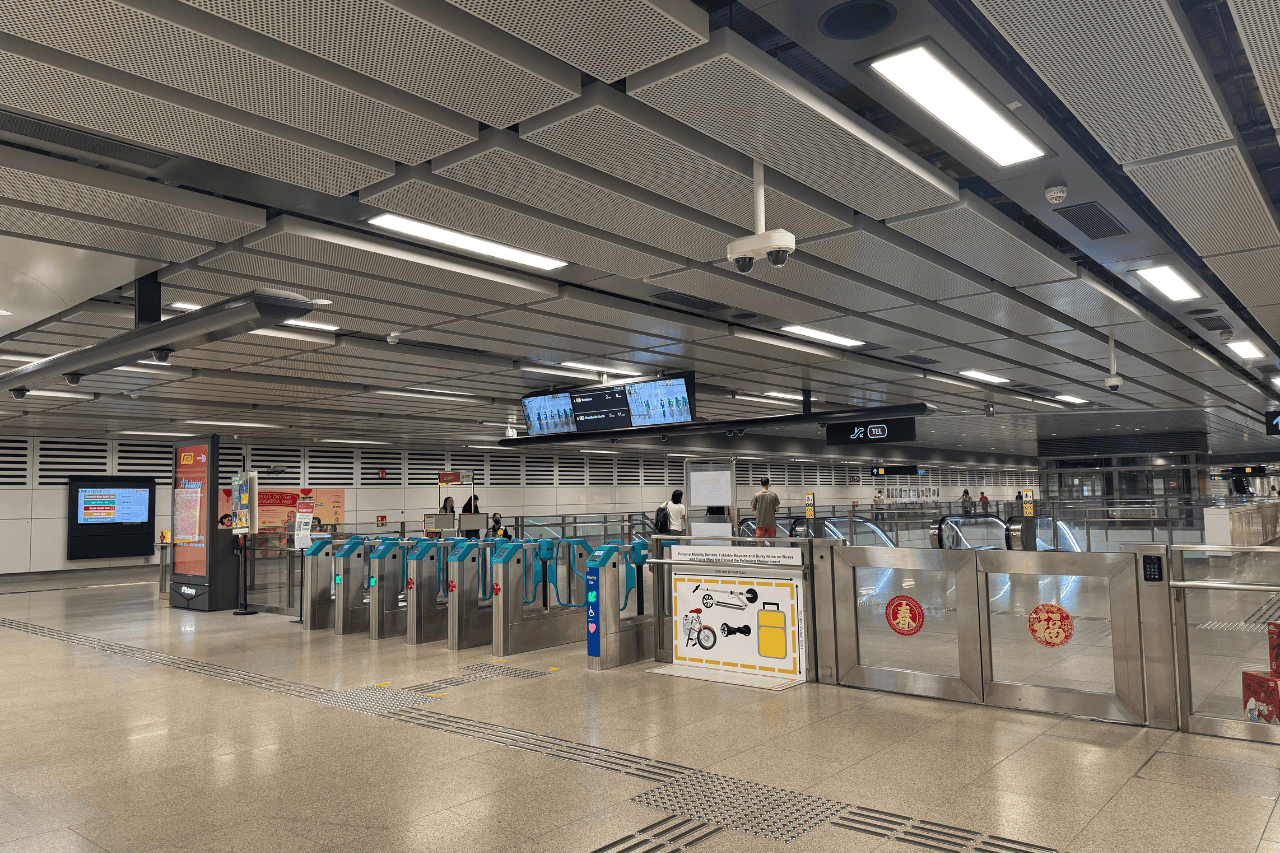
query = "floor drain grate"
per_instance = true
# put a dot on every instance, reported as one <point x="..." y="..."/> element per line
<point x="593" y="756"/>
<point x="508" y="671"/>
<point x="757" y="809"/>
<point x="665" y="836"/>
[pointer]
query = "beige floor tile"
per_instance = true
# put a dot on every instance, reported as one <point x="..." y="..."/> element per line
<point x="1156" y="817"/>
<point x="1272" y="832"/>
<point x="58" y="841"/>
<point x="779" y="768"/>
<point x="1225" y="749"/>
<point x="1229" y="777"/>
<point x="1064" y="769"/>
<point x="1110" y="734"/>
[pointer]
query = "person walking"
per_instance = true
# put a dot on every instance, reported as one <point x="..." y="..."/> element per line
<point x="877" y="504"/>
<point x="677" y="513"/>
<point x="983" y="502"/>
<point x="765" y="505"/>
<point x="966" y="503"/>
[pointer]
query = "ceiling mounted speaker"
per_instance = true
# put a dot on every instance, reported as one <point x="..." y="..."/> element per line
<point x="857" y="19"/>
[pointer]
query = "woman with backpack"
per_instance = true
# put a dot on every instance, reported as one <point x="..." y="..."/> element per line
<point x="671" y="516"/>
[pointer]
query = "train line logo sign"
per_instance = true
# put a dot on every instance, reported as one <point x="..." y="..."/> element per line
<point x="891" y="431"/>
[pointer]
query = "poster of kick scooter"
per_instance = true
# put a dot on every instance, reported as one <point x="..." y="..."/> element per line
<point x="739" y="629"/>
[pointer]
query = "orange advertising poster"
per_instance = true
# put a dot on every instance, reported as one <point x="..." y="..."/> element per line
<point x="277" y="508"/>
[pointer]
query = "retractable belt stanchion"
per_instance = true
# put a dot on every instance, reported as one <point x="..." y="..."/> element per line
<point x="317" y="585"/>
<point x="388" y="611"/>
<point x="427" y="585"/>
<point x="351" y="580"/>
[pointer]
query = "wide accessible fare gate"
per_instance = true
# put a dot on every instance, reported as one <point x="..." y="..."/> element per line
<point x="1039" y="631"/>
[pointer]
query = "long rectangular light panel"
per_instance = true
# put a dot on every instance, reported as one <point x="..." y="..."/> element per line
<point x="465" y="242"/>
<point x="928" y="82"/>
<point x="1167" y="280"/>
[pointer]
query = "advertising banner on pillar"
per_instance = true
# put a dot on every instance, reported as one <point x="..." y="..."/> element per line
<point x="278" y="508"/>
<point x="190" y="510"/>
<point x="746" y="629"/>
<point x="891" y="431"/>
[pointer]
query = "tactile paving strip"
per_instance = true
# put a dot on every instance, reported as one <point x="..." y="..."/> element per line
<point x="746" y="806"/>
<point x="665" y="836"/>
<point x="928" y="834"/>
<point x="376" y="699"/>
<point x="447" y="683"/>
<point x="594" y="756"/>
<point x="508" y="671"/>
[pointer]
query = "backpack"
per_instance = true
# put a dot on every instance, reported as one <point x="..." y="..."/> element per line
<point x="662" y="519"/>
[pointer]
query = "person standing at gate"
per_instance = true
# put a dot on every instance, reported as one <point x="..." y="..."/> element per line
<point x="765" y="505"/>
<point x="677" y="513"/>
<point x="470" y="507"/>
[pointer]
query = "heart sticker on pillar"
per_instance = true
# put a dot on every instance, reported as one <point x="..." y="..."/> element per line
<point x="591" y="627"/>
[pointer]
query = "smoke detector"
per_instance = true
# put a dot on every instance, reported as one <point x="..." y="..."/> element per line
<point x="1056" y="194"/>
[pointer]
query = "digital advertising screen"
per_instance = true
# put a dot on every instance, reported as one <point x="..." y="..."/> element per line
<point x="598" y="408"/>
<point x="548" y="414"/>
<point x="663" y="401"/>
<point x="113" y="506"/>
<point x="191" y="511"/>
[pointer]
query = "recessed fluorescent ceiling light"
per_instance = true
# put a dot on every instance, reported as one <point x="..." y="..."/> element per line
<point x="559" y="371"/>
<point x="826" y="337"/>
<point x="13" y="356"/>
<point x="245" y="424"/>
<point x="1168" y="281"/>
<point x="486" y="447"/>
<point x="1246" y="349"/>
<point x="306" y="324"/>
<point x="610" y="452"/>
<point x="441" y="391"/>
<point x="6" y="313"/>
<point x="780" y="395"/>
<point x="932" y="85"/>
<point x="466" y="242"/>
<point x="148" y="432"/>
<point x="511" y="424"/>
<point x="682" y="454"/>
<point x="983" y="377"/>
<point x="70" y="395"/>
<point x="580" y="366"/>
<point x="183" y="306"/>
<point x="750" y="399"/>
<point x="349" y="441"/>
<point x="1067" y="398"/>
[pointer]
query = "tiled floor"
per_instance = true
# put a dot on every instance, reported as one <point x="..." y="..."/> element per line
<point x="103" y="751"/>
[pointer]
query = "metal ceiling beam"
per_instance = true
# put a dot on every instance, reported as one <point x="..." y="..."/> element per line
<point x="226" y="319"/>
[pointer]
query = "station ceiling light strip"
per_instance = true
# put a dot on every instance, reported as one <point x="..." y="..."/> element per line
<point x="983" y="377"/>
<point x="825" y="337"/>
<point x="922" y="77"/>
<point x="1170" y="282"/>
<point x="244" y="424"/>
<point x="464" y="242"/>
<point x="1246" y="349"/>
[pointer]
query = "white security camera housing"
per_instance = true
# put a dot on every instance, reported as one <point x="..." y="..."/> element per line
<point x="1114" y="383"/>
<point x="776" y="245"/>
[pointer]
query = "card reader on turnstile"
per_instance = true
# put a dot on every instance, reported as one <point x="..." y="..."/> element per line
<point x="427" y="585"/>
<point x="388" y="611"/>
<point x="317" y="585"/>
<point x="351" y="580"/>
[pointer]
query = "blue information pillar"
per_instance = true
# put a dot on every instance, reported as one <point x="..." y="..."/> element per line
<point x="593" y="609"/>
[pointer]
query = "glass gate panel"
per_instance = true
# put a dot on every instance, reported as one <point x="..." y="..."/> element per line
<point x="1060" y="633"/>
<point x="907" y="621"/>
<point x="1226" y="678"/>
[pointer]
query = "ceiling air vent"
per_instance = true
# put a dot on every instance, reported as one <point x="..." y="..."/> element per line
<point x="1214" y="324"/>
<point x="1093" y="220"/>
<point x="693" y="302"/>
<point x="918" y="359"/>
<point x="1200" y="312"/>
<point x="29" y="128"/>
<point x="857" y="19"/>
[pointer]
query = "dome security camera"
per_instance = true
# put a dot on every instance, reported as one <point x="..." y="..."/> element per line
<point x="393" y="338"/>
<point x="1113" y="383"/>
<point x="161" y="355"/>
<point x="1056" y="194"/>
<point x="662" y="438"/>
<point x="775" y="246"/>
<point x="19" y="393"/>
<point x="72" y="378"/>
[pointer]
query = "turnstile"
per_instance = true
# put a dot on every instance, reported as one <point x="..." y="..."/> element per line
<point x="317" y="585"/>
<point x="351" y="586"/>
<point x="388" y="605"/>
<point x="427" y="591"/>
<point x="621" y="640"/>
<point x="470" y="597"/>
<point x="523" y="619"/>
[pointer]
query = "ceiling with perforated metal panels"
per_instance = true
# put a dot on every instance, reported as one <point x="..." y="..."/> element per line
<point x="360" y="155"/>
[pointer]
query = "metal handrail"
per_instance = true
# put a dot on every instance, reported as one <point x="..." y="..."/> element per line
<point x="1241" y="587"/>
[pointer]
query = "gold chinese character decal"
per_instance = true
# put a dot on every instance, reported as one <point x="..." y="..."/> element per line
<point x="904" y="615"/>
<point x="1050" y="625"/>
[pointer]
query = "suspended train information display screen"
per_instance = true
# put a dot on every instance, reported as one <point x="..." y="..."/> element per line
<point x="608" y="407"/>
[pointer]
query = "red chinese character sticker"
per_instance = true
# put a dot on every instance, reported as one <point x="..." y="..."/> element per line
<point x="453" y="586"/>
<point x="904" y="615"/>
<point x="1050" y="625"/>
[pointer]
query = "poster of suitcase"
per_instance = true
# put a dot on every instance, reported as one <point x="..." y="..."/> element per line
<point x="741" y="623"/>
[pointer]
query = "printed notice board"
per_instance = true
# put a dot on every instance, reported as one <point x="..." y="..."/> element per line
<point x="739" y="627"/>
